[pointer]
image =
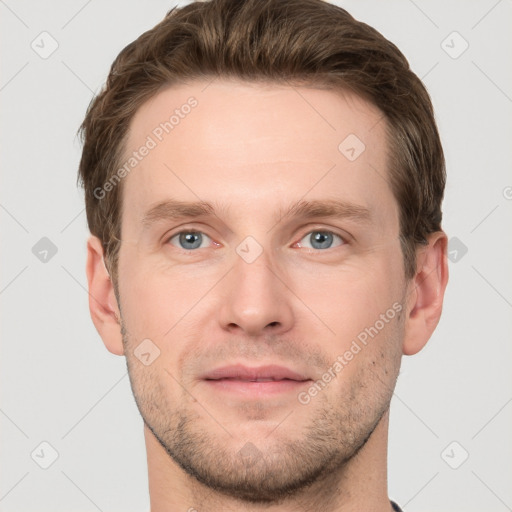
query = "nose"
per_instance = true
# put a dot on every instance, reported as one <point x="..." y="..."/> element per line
<point x="256" y="299"/>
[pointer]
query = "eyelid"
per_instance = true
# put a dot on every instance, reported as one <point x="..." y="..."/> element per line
<point x="345" y="236"/>
<point x="184" y="228"/>
<point x="343" y="239"/>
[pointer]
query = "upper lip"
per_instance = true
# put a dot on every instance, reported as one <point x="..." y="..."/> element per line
<point x="241" y="372"/>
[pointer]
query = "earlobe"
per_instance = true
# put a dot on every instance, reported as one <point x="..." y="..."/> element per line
<point x="426" y="293"/>
<point x="102" y="300"/>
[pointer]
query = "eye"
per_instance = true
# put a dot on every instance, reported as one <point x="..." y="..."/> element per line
<point x="189" y="240"/>
<point x="320" y="240"/>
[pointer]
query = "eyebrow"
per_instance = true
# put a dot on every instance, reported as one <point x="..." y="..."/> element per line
<point x="172" y="209"/>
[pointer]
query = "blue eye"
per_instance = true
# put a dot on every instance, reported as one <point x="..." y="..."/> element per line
<point x="321" y="239"/>
<point x="189" y="240"/>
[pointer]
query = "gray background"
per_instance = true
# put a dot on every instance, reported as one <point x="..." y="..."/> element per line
<point x="60" y="385"/>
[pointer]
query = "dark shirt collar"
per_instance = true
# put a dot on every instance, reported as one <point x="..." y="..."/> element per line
<point x="396" y="508"/>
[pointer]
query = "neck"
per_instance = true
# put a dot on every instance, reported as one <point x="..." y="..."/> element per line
<point x="360" y="484"/>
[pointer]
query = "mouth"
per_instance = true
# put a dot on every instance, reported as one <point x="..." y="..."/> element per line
<point x="255" y="381"/>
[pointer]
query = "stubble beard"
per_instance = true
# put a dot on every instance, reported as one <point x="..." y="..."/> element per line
<point x="273" y="468"/>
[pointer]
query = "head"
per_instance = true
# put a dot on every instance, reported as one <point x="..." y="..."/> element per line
<point x="312" y="154"/>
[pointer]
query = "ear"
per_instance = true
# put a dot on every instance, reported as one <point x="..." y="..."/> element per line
<point x="102" y="300"/>
<point x="426" y="293"/>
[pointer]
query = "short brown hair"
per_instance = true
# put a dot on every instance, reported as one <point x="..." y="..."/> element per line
<point x="309" y="42"/>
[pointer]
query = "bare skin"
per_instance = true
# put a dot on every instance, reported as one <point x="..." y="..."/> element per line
<point x="299" y="294"/>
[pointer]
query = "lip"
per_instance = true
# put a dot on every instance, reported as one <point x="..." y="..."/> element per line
<point x="240" y="372"/>
<point x="255" y="382"/>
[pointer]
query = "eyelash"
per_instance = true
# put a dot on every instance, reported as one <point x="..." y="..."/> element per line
<point x="324" y="231"/>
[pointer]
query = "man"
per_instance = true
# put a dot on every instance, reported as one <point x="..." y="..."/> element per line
<point x="263" y="184"/>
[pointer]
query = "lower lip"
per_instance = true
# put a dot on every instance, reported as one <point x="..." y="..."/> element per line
<point x="249" y="388"/>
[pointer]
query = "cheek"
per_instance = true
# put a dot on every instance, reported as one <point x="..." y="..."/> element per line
<point x="343" y="301"/>
<point x="151" y="301"/>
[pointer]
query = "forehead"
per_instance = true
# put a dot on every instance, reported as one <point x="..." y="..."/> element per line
<point x="229" y="110"/>
<point x="255" y="145"/>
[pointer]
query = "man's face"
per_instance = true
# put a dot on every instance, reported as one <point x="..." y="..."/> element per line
<point x="250" y="286"/>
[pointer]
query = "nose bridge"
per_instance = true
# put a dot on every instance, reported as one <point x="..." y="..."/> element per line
<point x="256" y="299"/>
<point x="256" y="273"/>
